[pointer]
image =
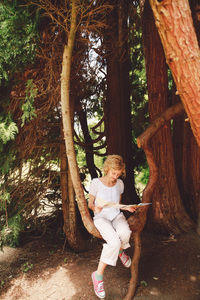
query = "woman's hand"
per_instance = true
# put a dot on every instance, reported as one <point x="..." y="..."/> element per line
<point x="131" y="208"/>
<point x="97" y="209"/>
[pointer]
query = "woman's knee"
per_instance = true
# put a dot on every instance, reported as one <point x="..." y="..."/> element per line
<point x="115" y="242"/>
<point x="125" y="235"/>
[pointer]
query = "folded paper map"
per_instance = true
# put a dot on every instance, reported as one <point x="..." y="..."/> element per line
<point x="102" y="203"/>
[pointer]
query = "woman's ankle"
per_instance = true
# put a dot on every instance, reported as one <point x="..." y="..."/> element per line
<point x="98" y="276"/>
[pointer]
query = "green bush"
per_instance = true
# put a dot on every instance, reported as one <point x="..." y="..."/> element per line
<point x="142" y="175"/>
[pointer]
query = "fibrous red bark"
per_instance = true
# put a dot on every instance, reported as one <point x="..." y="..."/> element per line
<point x="174" y="22"/>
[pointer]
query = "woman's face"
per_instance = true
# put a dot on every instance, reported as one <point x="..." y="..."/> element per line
<point x="114" y="174"/>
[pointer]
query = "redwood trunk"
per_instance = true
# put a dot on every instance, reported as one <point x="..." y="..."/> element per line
<point x="118" y="112"/>
<point x="187" y="151"/>
<point x="174" y="22"/>
<point x="167" y="208"/>
<point x="191" y="173"/>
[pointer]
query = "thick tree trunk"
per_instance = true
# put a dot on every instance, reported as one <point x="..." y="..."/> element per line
<point x="67" y="126"/>
<point x="64" y="184"/>
<point x="191" y="173"/>
<point x="187" y="160"/>
<point x="187" y="152"/>
<point x="167" y="209"/>
<point x="174" y="22"/>
<point x="118" y="112"/>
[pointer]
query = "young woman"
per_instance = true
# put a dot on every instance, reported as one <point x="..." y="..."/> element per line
<point x="104" y="192"/>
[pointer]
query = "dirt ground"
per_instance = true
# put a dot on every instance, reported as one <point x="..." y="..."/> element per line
<point x="43" y="269"/>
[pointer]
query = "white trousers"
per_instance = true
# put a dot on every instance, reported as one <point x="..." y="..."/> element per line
<point x="117" y="234"/>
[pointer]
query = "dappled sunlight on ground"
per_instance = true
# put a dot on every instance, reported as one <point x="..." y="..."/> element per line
<point x="8" y="255"/>
<point x="45" y="286"/>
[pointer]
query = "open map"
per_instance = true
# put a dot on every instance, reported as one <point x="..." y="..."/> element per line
<point x="102" y="203"/>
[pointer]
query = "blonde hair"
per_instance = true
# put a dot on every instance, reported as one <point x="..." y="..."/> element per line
<point x="114" y="162"/>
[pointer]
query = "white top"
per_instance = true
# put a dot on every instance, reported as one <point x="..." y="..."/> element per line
<point x="106" y="194"/>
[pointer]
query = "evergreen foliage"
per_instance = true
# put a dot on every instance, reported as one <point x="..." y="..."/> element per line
<point x="10" y="233"/>
<point x="18" y="43"/>
<point x="27" y="107"/>
<point x="18" y="37"/>
<point x="8" y="130"/>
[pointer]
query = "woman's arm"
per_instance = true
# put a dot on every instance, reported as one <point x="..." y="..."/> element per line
<point x="92" y="206"/>
<point x="91" y="202"/>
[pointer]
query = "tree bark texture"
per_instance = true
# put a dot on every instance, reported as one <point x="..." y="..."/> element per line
<point x="177" y="138"/>
<point x="64" y="185"/>
<point x="67" y="126"/>
<point x="117" y="107"/>
<point x="195" y="8"/>
<point x="68" y="202"/>
<point x="191" y="173"/>
<point x="174" y="22"/>
<point x="187" y="163"/>
<point x="167" y="209"/>
<point x="187" y="151"/>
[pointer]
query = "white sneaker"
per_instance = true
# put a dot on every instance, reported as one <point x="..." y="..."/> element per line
<point x="125" y="259"/>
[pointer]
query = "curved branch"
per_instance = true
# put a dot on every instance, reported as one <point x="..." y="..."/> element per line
<point x="101" y="154"/>
<point x="84" y="145"/>
<point x="97" y="125"/>
<point x="100" y="146"/>
<point x="137" y="221"/>
<point x="167" y="115"/>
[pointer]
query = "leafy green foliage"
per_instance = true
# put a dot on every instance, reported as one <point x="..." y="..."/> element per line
<point x="18" y="42"/>
<point x="5" y="198"/>
<point x="10" y="234"/>
<point x="18" y="32"/>
<point x="7" y="158"/>
<point x="8" y="129"/>
<point x="143" y="175"/>
<point x="27" y="107"/>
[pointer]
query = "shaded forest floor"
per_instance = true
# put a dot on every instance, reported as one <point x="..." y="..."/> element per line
<point x="40" y="269"/>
